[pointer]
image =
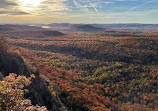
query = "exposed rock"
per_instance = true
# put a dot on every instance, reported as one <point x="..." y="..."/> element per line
<point x="38" y="91"/>
<point x="1" y="76"/>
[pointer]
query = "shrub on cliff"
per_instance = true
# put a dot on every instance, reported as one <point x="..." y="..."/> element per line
<point x="12" y="92"/>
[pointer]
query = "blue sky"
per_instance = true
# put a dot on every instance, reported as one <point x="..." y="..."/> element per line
<point x="79" y="11"/>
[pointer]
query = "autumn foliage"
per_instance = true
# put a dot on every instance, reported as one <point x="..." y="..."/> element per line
<point x="96" y="71"/>
<point x="12" y="93"/>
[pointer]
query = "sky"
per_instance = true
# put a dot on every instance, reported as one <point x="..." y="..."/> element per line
<point x="78" y="11"/>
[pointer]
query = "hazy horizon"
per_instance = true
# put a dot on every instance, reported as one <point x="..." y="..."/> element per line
<point x="70" y="23"/>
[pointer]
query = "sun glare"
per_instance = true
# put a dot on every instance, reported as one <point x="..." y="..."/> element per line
<point x="30" y="5"/>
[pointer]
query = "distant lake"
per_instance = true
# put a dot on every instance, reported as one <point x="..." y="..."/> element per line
<point x="46" y="27"/>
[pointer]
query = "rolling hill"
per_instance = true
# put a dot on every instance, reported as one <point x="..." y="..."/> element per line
<point x="10" y="27"/>
<point x="131" y="26"/>
<point x="99" y="27"/>
<point x="75" y="27"/>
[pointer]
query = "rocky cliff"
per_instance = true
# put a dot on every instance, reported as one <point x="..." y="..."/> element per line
<point x="11" y="62"/>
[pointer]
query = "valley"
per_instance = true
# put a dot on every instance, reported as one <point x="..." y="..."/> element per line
<point x="91" y="68"/>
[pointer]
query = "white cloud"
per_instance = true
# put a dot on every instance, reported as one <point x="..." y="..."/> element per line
<point x="4" y="4"/>
<point x="92" y="5"/>
<point x="33" y="7"/>
<point x="127" y="0"/>
<point x="78" y="4"/>
<point x="51" y="7"/>
<point x="8" y="7"/>
<point x="141" y="5"/>
<point x="107" y="2"/>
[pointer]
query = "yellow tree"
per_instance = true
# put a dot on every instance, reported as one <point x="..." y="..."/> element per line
<point x="12" y="92"/>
